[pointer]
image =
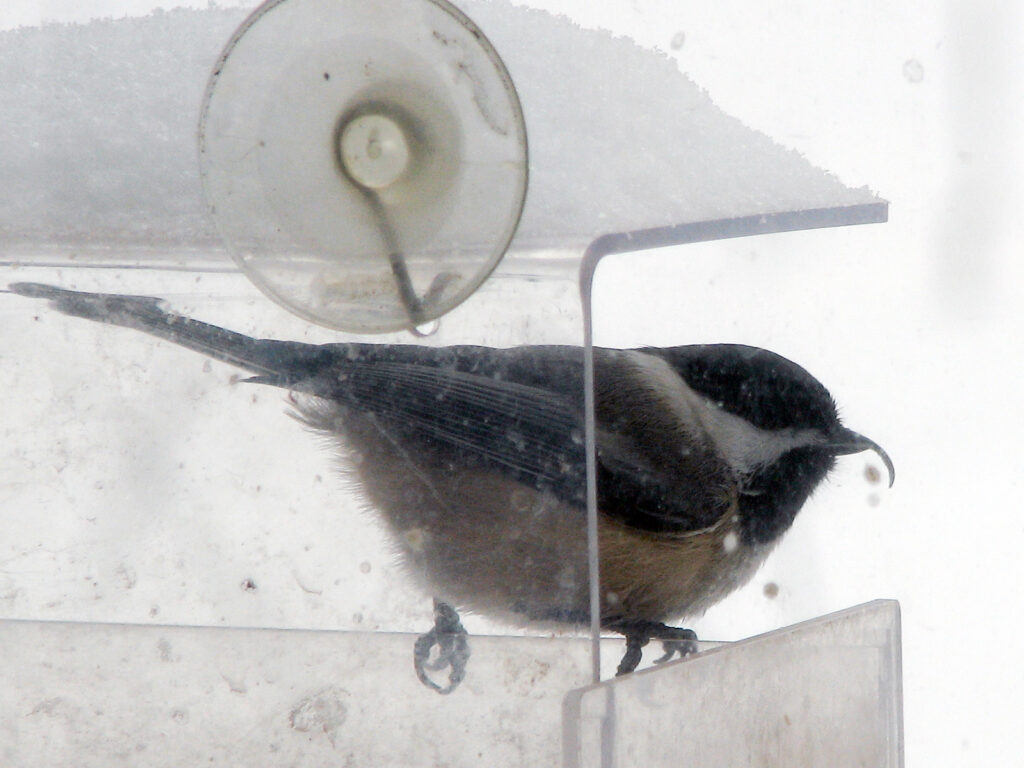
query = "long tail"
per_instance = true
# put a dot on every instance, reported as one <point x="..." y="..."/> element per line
<point x="278" y="362"/>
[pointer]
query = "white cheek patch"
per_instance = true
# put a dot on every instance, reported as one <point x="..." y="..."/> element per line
<point x="744" y="447"/>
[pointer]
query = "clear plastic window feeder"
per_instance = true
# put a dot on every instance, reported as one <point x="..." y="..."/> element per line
<point x="823" y="692"/>
<point x="188" y="579"/>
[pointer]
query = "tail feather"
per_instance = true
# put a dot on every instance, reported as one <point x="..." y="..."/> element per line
<point x="274" y="362"/>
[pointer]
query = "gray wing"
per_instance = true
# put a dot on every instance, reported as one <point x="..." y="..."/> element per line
<point x="516" y="411"/>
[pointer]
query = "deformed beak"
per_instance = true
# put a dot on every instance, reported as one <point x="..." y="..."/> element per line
<point x="846" y="441"/>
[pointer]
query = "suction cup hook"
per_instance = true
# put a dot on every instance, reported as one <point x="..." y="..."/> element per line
<point x="365" y="160"/>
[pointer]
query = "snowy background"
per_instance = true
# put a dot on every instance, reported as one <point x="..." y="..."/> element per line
<point x="913" y="326"/>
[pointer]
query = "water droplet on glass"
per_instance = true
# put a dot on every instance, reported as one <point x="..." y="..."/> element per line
<point x="427" y="329"/>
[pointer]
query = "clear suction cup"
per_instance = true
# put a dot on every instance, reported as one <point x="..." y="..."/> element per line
<point x="365" y="160"/>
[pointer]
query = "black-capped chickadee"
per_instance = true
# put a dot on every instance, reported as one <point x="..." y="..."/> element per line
<point x="474" y="457"/>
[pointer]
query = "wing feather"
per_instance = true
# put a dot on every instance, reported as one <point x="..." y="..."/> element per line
<point x="518" y="411"/>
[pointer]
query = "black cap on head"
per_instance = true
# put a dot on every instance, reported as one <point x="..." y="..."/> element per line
<point x="759" y="386"/>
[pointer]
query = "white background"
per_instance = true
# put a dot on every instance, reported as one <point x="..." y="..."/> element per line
<point x="914" y="326"/>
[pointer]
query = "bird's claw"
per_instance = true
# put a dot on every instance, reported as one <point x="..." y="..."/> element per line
<point x="452" y="643"/>
<point x="634" y="652"/>
<point x="683" y="647"/>
<point x="674" y="640"/>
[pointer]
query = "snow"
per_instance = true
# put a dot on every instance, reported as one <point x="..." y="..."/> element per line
<point x="126" y="173"/>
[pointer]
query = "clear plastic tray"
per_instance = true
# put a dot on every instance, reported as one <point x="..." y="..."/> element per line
<point x="826" y="692"/>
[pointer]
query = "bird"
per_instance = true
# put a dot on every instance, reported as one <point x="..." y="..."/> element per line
<point x="474" y="459"/>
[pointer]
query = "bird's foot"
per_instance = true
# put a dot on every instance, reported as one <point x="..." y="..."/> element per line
<point x="684" y="646"/>
<point x="674" y="640"/>
<point x="452" y="643"/>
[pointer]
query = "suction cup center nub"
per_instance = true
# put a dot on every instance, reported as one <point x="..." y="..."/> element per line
<point x="374" y="150"/>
